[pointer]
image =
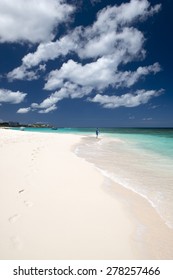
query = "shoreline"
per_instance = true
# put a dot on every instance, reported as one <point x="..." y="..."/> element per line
<point x="65" y="209"/>
<point x="152" y="235"/>
<point x="153" y="238"/>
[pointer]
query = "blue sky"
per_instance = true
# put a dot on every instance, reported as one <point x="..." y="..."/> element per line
<point x="87" y="62"/>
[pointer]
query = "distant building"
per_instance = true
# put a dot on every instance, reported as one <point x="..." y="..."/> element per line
<point x="14" y="124"/>
<point x="41" y="125"/>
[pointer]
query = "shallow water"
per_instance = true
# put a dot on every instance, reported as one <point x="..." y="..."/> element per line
<point x="140" y="160"/>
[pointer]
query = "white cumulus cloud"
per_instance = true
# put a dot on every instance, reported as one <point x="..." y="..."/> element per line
<point x="129" y="78"/>
<point x="21" y="73"/>
<point x="97" y="75"/>
<point x="13" y="97"/>
<point x="48" y="110"/>
<point x="31" y="20"/>
<point x="126" y="100"/>
<point x="69" y="90"/>
<point x="23" y="110"/>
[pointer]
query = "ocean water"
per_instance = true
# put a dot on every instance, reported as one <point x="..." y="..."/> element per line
<point x="138" y="159"/>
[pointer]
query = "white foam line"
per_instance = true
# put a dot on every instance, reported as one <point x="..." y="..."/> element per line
<point x="124" y="184"/>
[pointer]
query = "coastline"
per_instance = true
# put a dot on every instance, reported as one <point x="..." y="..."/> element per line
<point x="55" y="205"/>
<point x="152" y="235"/>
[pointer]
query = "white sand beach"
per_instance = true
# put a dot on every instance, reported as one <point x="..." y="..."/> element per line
<point x="53" y="205"/>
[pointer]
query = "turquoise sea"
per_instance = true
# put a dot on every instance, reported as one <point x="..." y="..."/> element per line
<point x="140" y="159"/>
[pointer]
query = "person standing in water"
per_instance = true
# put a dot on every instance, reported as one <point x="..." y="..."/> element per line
<point x="97" y="132"/>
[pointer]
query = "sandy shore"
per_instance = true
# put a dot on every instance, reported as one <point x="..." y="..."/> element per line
<point x="53" y="205"/>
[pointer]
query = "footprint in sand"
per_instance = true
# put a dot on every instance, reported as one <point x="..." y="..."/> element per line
<point x="16" y="242"/>
<point x="14" y="218"/>
<point x="33" y="156"/>
<point x="21" y="191"/>
<point x="28" y="203"/>
<point x="35" y="152"/>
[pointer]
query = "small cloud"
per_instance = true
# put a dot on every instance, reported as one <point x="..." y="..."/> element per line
<point x="42" y="67"/>
<point x="9" y="96"/>
<point x="93" y="2"/>
<point x="21" y="73"/>
<point x="155" y="106"/>
<point x="147" y="119"/>
<point x="131" y="118"/>
<point x="24" y="110"/>
<point x="49" y="109"/>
